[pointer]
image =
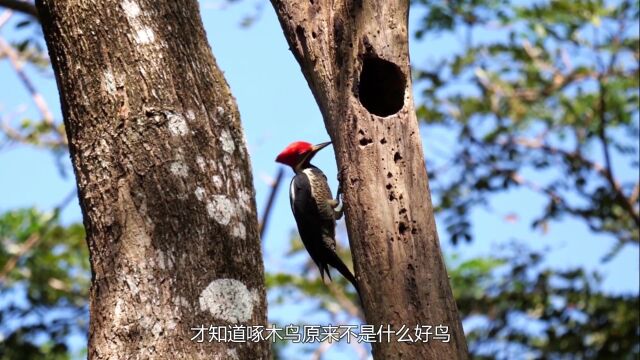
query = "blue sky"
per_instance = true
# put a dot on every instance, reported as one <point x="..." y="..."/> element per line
<point x="277" y="108"/>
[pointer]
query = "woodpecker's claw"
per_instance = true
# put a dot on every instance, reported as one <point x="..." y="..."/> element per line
<point x="338" y="212"/>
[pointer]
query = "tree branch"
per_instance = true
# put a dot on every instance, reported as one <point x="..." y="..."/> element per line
<point x="31" y="241"/>
<point x="20" y="6"/>
<point x="4" y="17"/>
<point x="18" y="67"/>
<point x="34" y="238"/>
<point x="624" y="201"/>
<point x="269" y="205"/>
<point x="38" y="99"/>
<point x="344" y="301"/>
<point x="319" y="352"/>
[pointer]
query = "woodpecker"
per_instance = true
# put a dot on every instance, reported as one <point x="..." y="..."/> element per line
<point x="314" y="208"/>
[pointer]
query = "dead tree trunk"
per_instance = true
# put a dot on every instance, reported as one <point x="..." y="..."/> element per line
<point x="354" y="55"/>
<point x="163" y="177"/>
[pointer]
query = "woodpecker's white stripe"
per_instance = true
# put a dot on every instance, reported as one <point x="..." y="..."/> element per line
<point x="314" y="176"/>
<point x="292" y="193"/>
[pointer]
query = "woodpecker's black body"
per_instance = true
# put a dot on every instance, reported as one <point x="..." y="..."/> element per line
<point x="313" y="208"/>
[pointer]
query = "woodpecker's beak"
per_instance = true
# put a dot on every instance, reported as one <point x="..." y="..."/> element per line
<point x="319" y="147"/>
<point x="309" y="155"/>
<point x="314" y="151"/>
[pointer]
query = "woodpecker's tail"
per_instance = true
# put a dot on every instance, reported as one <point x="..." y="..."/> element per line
<point x="337" y="263"/>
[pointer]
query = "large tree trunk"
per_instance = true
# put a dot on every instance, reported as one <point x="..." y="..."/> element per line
<point x="163" y="177"/>
<point x="354" y="55"/>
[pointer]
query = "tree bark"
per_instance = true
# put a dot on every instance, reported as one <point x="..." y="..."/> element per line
<point x="354" y="55"/>
<point x="163" y="177"/>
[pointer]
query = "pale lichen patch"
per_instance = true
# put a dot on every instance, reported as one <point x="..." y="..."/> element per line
<point x="109" y="82"/>
<point x="237" y="177"/>
<point x="171" y="324"/>
<point x="217" y="181"/>
<point x="133" y="287"/>
<point x="145" y="36"/>
<point x="142" y="34"/>
<point x="181" y="301"/>
<point x="146" y="322"/>
<point x="244" y="198"/>
<point x="227" y="142"/>
<point x="162" y="260"/>
<point x="201" y="163"/>
<point x="220" y="208"/>
<point x="243" y="145"/>
<point x="239" y="231"/>
<point x="177" y="124"/>
<point x="156" y="330"/>
<point x="232" y="354"/>
<point x="131" y="9"/>
<point x="179" y="168"/>
<point x="228" y="300"/>
<point x="119" y="311"/>
<point x="200" y="193"/>
<point x="227" y="161"/>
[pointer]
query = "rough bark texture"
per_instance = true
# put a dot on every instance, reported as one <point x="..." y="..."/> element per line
<point x="163" y="177"/>
<point x="354" y="55"/>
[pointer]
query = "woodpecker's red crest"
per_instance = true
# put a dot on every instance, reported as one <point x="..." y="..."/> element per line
<point x="297" y="152"/>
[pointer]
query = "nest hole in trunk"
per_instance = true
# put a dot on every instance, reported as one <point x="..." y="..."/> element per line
<point x="381" y="87"/>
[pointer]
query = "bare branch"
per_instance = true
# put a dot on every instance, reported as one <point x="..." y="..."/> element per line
<point x="20" y="6"/>
<point x="624" y="201"/>
<point x="38" y="99"/>
<point x="32" y="240"/>
<point x="269" y="205"/>
<point x="344" y="301"/>
<point x="320" y="350"/>
<point x="4" y="17"/>
<point x="604" y="171"/>
<point x="18" y="67"/>
<point x="517" y="178"/>
<point x="635" y="193"/>
<point x="13" y="134"/>
<point x="529" y="95"/>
